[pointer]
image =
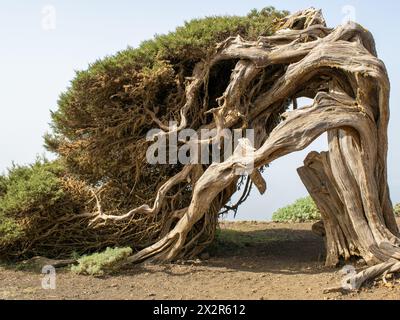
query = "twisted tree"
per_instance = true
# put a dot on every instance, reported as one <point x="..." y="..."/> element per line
<point x="240" y="83"/>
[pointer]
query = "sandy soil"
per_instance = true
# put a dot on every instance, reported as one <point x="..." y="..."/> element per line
<point x="253" y="260"/>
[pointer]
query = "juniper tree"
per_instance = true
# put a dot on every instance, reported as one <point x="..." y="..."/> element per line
<point x="233" y="73"/>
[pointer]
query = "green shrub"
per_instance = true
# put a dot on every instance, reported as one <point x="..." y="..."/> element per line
<point x="397" y="209"/>
<point x="32" y="199"/>
<point x="9" y="229"/>
<point x="26" y="189"/>
<point x="38" y="208"/>
<point x="99" y="263"/>
<point x="302" y="210"/>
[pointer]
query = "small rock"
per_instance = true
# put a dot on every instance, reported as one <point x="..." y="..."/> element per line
<point x="151" y="294"/>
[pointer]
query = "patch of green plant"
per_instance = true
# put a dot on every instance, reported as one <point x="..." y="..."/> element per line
<point x="26" y="189"/>
<point x="301" y="210"/>
<point x="9" y="229"/>
<point x="100" y="263"/>
<point x="28" y="186"/>
<point x="397" y="209"/>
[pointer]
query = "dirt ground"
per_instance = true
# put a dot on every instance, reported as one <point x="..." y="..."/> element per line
<point x="252" y="260"/>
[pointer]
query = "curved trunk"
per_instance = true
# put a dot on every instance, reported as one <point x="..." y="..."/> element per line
<point x="339" y="69"/>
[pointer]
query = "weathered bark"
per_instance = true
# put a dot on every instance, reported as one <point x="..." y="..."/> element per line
<point x="338" y="241"/>
<point x="340" y="70"/>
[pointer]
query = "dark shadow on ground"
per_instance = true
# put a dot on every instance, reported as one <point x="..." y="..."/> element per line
<point x="274" y="249"/>
<point x="281" y="250"/>
<point x="277" y="248"/>
<point x="281" y="243"/>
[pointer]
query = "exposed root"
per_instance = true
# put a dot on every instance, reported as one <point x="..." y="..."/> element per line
<point x="354" y="281"/>
<point x="353" y="225"/>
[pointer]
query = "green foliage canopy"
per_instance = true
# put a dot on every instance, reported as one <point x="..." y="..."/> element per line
<point x="25" y="191"/>
<point x="100" y="125"/>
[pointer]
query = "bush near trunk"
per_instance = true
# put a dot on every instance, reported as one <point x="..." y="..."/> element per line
<point x="301" y="210"/>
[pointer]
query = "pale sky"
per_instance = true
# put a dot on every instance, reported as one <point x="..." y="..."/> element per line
<point x="43" y="42"/>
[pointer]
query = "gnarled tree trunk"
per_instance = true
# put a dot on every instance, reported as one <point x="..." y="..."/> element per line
<point x="339" y="69"/>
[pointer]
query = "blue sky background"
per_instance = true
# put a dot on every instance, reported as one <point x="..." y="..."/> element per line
<point x="37" y="64"/>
